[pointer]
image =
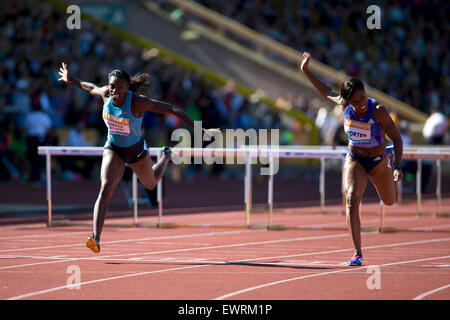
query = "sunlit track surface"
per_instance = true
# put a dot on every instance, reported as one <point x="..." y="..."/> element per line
<point x="208" y="263"/>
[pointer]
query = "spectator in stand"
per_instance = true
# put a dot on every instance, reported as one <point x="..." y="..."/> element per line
<point x="435" y="130"/>
<point x="407" y="58"/>
<point x="7" y="169"/>
<point x="78" y="165"/>
<point x="37" y="123"/>
<point x="338" y="135"/>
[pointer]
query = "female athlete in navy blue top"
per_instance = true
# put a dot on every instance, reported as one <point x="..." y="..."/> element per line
<point x="365" y="122"/>
<point x="123" y="110"/>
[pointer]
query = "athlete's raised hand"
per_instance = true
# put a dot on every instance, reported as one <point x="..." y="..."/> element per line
<point x="398" y="175"/>
<point x="305" y="61"/>
<point x="64" y="73"/>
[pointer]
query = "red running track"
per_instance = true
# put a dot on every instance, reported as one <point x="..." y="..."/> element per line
<point x="183" y="263"/>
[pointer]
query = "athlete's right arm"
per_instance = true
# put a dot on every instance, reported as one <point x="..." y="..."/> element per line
<point x="320" y="86"/>
<point x="88" y="87"/>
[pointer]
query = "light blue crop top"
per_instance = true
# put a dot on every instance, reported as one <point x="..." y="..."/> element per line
<point x="124" y="130"/>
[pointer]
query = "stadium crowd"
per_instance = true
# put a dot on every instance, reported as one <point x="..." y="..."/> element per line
<point x="35" y="107"/>
<point x="406" y="58"/>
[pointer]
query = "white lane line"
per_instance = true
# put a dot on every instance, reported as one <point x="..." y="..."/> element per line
<point x="35" y="264"/>
<point x="31" y="294"/>
<point x="425" y="294"/>
<point x="241" y="244"/>
<point x="248" y="289"/>
<point x="43" y="235"/>
<point x="128" y="240"/>
<point x="364" y="248"/>
<point x="280" y="219"/>
<point x="265" y="285"/>
<point x="112" y="257"/>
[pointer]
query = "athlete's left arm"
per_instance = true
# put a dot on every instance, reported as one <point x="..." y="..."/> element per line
<point x="382" y="116"/>
<point x="143" y="103"/>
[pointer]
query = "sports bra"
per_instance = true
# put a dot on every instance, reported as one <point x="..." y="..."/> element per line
<point x="363" y="132"/>
<point x="124" y="129"/>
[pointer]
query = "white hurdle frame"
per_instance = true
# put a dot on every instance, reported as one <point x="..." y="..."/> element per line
<point x="418" y="153"/>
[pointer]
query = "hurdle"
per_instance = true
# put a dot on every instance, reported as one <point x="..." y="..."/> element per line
<point x="417" y="153"/>
<point x="50" y="151"/>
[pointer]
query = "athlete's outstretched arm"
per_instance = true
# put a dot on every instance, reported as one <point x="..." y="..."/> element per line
<point x="144" y="103"/>
<point x="83" y="85"/>
<point x="320" y="86"/>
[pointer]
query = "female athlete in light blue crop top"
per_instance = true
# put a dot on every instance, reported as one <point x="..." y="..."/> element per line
<point x="365" y="123"/>
<point x="124" y="107"/>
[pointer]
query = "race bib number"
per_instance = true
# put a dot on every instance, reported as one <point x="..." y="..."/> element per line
<point x="117" y="125"/>
<point x="358" y="132"/>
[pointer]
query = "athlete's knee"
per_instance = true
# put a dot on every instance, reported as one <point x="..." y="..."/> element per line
<point x="388" y="201"/>
<point x="387" y="194"/>
<point x="150" y="186"/>
<point x="107" y="190"/>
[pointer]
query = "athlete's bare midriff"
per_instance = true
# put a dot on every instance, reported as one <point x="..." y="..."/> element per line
<point x="369" y="152"/>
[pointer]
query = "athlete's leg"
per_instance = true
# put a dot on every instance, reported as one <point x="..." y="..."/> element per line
<point x="382" y="179"/>
<point x="111" y="174"/>
<point x="355" y="183"/>
<point x="150" y="175"/>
